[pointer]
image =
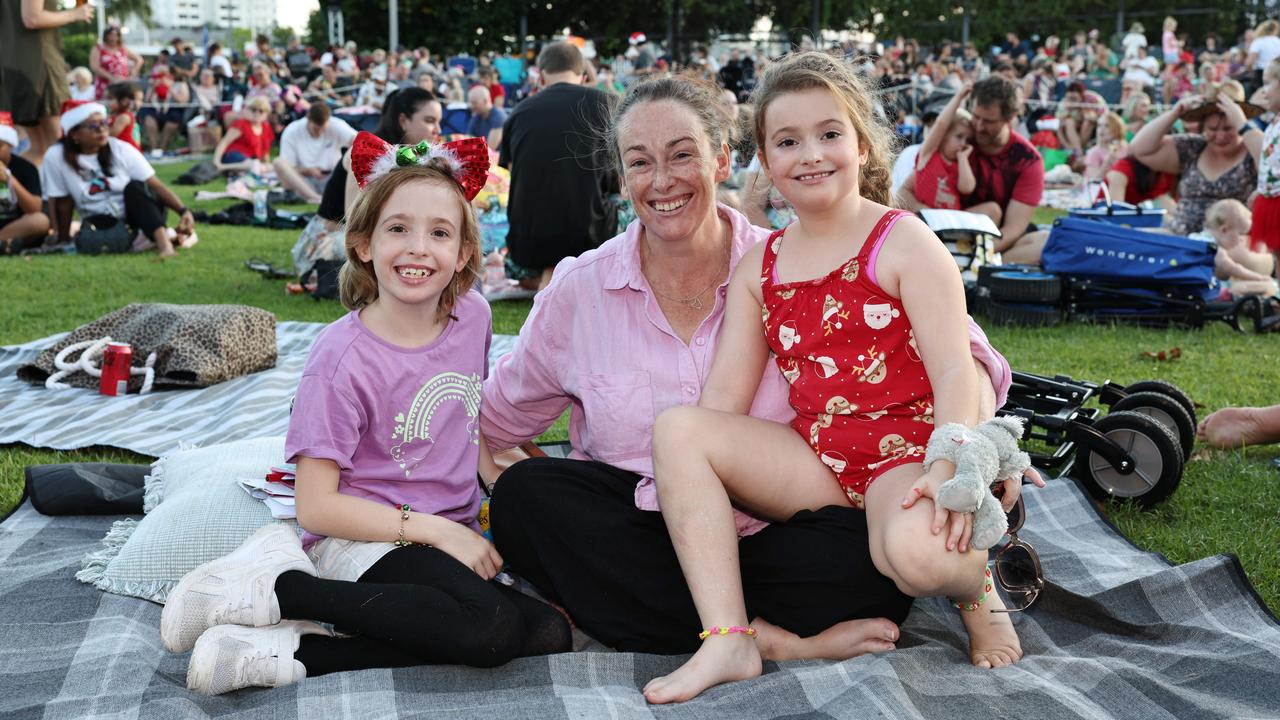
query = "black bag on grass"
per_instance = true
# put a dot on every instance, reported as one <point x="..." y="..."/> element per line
<point x="199" y="174"/>
<point x="326" y="279"/>
<point x="86" y="488"/>
<point x="103" y="234"/>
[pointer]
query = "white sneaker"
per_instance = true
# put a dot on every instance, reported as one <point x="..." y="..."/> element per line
<point x="237" y="588"/>
<point x="230" y="657"/>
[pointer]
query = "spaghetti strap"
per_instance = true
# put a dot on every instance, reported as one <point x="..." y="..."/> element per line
<point x="875" y="240"/>
<point x="769" y="269"/>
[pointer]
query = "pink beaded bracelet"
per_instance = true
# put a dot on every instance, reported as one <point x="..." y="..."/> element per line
<point x="725" y="630"/>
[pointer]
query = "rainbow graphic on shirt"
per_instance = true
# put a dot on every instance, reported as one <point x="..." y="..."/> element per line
<point x="416" y="424"/>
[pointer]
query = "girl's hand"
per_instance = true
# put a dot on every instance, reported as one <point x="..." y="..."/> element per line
<point x="965" y="151"/>
<point x="1013" y="487"/>
<point x="964" y="90"/>
<point x="471" y="549"/>
<point x="959" y="525"/>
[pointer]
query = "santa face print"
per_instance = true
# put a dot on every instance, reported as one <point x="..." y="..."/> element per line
<point x="835" y="461"/>
<point x="788" y="335"/>
<point x="878" y="315"/>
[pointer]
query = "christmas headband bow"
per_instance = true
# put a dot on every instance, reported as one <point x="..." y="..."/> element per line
<point x="372" y="157"/>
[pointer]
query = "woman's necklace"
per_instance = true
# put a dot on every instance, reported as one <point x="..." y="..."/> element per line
<point x="694" y="301"/>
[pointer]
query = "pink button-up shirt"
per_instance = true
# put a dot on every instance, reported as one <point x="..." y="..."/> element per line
<point x="597" y="342"/>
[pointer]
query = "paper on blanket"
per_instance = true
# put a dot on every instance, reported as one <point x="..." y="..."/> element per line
<point x="278" y="497"/>
<point x="944" y="220"/>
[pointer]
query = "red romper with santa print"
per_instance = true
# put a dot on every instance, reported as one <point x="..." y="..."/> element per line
<point x="858" y="386"/>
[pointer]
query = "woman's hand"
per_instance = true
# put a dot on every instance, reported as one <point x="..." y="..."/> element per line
<point x="82" y="13"/>
<point x="186" y="223"/>
<point x="1235" y="115"/>
<point x="469" y="548"/>
<point x="1187" y="104"/>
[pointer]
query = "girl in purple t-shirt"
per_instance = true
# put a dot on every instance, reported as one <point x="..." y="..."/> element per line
<point x="385" y="434"/>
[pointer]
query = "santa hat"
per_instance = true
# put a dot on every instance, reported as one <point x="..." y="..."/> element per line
<point x="75" y="112"/>
<point x="637" y="38"/>
<point x="7" y="133"/>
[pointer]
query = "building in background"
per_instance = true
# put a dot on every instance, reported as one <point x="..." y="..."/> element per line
<point x="254" y="15"/>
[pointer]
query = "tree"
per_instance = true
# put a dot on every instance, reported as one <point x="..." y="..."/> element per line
<point x="122" y="9"/>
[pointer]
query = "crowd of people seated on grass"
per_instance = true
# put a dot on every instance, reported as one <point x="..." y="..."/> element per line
<point x="1158" y="118"/>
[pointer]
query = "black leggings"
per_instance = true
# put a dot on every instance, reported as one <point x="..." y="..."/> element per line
<point x="142" y="209"/>
<point x="571" y="528"/>
<point x="418" y="606"/>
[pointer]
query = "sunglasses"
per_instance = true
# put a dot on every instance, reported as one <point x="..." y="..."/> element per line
<point x="94" y="126"/>
<point x="1017" y="566"/>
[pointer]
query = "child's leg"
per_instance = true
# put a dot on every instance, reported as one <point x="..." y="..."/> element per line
<point x="905" y="549"/>
<point x="422" y="603"/>
<point x="990" y="208"/>
<point x="705" y="460"/>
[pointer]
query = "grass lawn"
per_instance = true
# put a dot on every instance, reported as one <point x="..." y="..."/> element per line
<point x="1229" y="502"/>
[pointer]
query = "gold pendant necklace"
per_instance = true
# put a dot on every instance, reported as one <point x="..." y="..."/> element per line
<point x="693" y="301"/>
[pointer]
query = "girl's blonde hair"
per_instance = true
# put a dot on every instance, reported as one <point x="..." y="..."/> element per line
<point x="357" y="283"/>
<point x="816" y="70"/>
<point x="259" y="103"/>
<point x="1220" y="213"/>
<point x="80" y="72"/>
<point x="962" y="117"/>
<point x="1170" y="23"/>
<point x="1267" y="27"/>
<point x="1116" y="125"/>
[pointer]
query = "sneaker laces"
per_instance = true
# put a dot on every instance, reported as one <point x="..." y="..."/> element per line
<point x="234" y="612"/>
<point x="259" y="669"/>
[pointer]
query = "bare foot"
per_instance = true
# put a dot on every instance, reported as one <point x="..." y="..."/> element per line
<point x="993" y="642"/>
<point x="1236" y="427"/>
<point x="721" y="659"/>
<point x="839" y="642"/>
<point x="167" y="251"/>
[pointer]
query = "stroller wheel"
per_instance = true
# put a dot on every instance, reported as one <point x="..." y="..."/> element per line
<point x="1026" y="287"/>
<point x="1155" y="451"/>
<point x="1167" y="411"/>
<point x="1165" y="388"/>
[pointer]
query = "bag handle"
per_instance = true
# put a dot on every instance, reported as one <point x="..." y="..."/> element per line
<point x="1106" y="193"/>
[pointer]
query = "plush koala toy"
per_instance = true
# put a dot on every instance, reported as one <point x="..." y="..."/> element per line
<point x="982" y="455"/>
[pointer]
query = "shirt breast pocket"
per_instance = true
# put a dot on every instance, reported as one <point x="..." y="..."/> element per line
<point x="618" y="409"/>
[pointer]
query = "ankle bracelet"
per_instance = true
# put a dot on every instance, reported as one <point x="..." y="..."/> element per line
<point x="725" y="630"/>
<point x="987" y="587"/>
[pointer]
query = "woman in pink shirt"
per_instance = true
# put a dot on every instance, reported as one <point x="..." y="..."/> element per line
<point x="622" y="333"/>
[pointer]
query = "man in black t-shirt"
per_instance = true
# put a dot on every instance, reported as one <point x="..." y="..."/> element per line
<point x="22" y="224"/>
<point x="560" y="177"/>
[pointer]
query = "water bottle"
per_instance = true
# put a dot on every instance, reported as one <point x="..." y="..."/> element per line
<point x="260" y="206"/>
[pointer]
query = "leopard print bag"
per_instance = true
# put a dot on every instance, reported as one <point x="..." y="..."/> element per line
<point x="195" y="345"/>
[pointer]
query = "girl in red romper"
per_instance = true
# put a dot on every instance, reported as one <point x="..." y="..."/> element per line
<point x="867" y="381"/>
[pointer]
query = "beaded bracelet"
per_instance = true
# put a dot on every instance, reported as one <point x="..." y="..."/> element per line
<point x="987" y="587"/>
<point x="725" y="630"/>
<point x="404" y="517"/>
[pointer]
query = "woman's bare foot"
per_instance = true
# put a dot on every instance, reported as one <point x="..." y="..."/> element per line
<point x="839" y="642"/>
<point x="993" y="642"/>
<point x="1236" y="427"/>
<point x="721" y="659"/>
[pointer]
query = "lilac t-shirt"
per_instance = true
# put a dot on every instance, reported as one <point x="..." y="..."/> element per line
<point x="402" y="424"/>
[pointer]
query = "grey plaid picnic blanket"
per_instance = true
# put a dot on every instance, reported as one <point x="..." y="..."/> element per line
<point x="1119" y="634"/>
<point x="255" y="405"/>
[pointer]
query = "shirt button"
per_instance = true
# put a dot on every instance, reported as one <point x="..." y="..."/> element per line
<point x="701" y="341"/>
<point x="689" y="390"/>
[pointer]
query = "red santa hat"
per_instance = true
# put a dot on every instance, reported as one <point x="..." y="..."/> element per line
<point x="7" y="132"/>
<point x="637" y="38"/>
<point x="75" y="112"/>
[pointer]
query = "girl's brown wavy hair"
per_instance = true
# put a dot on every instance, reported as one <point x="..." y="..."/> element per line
<point x="809" y="70"/>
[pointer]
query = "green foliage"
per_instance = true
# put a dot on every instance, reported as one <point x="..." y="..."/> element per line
<point x="120" y="10"/>
<point x="76" y="46"/>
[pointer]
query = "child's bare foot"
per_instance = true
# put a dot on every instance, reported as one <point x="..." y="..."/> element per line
<point x="721" y="659"/>
<point x="839" y="642"/>
<point x="993" y="642"/>
<point x="1236" y="427"/>
<point x="167" y="251"/>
